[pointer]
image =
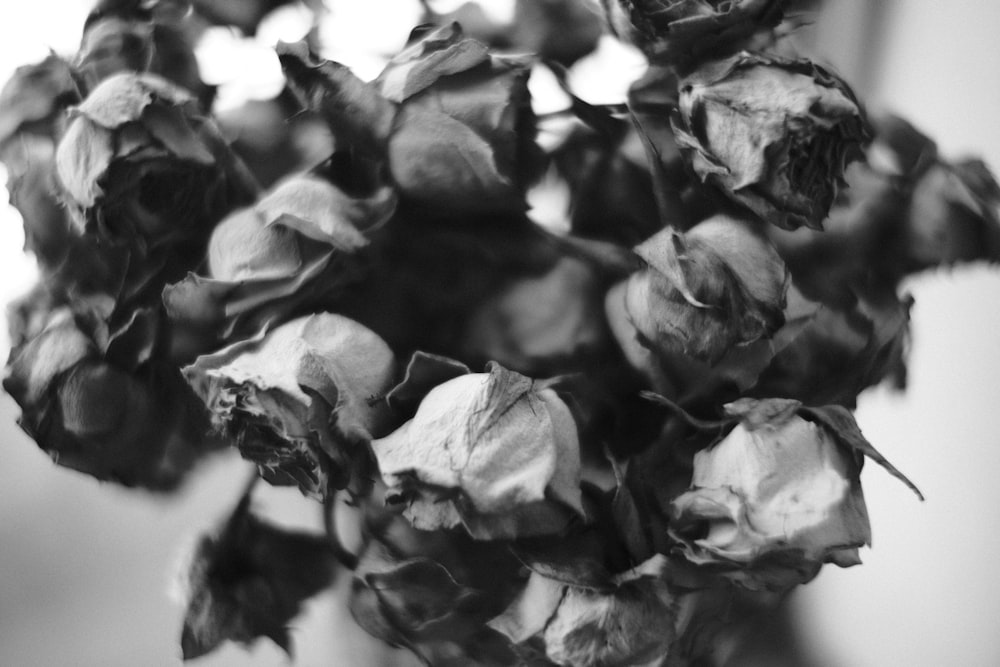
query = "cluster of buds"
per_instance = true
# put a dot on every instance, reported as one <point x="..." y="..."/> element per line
<point x="564" y="447"/>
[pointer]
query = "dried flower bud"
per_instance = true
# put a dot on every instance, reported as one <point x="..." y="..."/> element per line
<point x="774" y="135"/>
<point x="632" y="623"/>
<point x="489" y="451"/>
<point x="297" y="399"/>
<point x="718" y="285"/>
<point x="683" y="32"/>
<point x="142" y="167"/>
<point x="464" y="132"/>
<point x="953" y="216"/>
<point x="775" y="499"/>
<point x="98" y="412"/>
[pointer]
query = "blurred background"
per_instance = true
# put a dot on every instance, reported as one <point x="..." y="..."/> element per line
<point x="86" y="570"/>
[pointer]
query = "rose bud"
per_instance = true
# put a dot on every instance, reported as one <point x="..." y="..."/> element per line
<point x="141" y="36"/>
<point x="778" y="496"/>
<point x="774" y="135"/>
<point x="103" y="410"/>
<point x="953" y="216"/>
<point x="298" y="246"/>
<point x="629" y="623"/>
<point x="248" y="580"/>
<point x="141" y="167"/>
<point x="718" y="285"/>
<point x="491" y="452"/>
<point x="464" y="131"/>
<point x="431" y="592"/>
<point x="296" y="400"/>
<point x="684" y="32"/>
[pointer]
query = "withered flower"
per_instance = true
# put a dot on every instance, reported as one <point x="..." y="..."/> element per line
<point x="683" y="32"/>
<point x="141" y="166"/>
<point x="774" y="135"/>
<point x="778" y="496"/>
<point x="297" y="400"/>
<point x="491" y="452"/>
<point x="291" y="250"/>
<point x="96" y="402"/>
<point x="629" y="623"/>
<point x="718" y="285"/>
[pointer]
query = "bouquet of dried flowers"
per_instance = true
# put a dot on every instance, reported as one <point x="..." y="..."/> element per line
<point x="606" y="444"/>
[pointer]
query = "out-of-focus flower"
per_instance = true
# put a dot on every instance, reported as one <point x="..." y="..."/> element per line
<point x="453" y="122"/>
<point x="141" y="36"/>
<point x="432" y="591"/>
<point x="774" y="135"/>
<point x="246" y="14"/>
<point x="487" y="451"/>
<point x="831" y="353"/>
<point x="629" y="623"/>
<point x="536" y="323"/>
<point x="297" y="400"/>
<point x="778" y="496"/>
<point x="464" y="131"/>
<point x="294" y="250"/>
<point x="97" y="403"/>
<point x="248" y="580"/>
<point x="718" y="285"/>
<point x="683" y="32"/>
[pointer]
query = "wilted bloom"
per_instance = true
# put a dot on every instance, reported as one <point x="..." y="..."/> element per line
<point x="464" y="131"/>
<point x="297" y="400"/>
<point x="488" y="451"/>
<point x="718" y="285"/>
<point x="248" y="580"/>
<point x="141" y="167"/>
<point x="432" y="591"/>
<point x="140" y="36"/>
<point x="296" y="246"/>
<point x="774" y="135"/>
<point x="953" y="216"/>
<point x="97" y="404"/>
<point x="629" y="623"/>
<point x="686" y="31"/>
<point x="778" y="496"/>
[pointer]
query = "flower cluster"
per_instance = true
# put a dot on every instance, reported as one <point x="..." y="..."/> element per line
<point x="562" y="447"/>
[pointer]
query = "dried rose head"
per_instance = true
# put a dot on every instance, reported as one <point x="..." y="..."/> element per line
<point x="296" y="400"/>
<point x="774" y="135"/>
<point x="491" y="452"/>
<point x="717" y="285"/>
<point x="778" y="496"/>
<point x="141" y="166"/>
<point x="685" y="31"/>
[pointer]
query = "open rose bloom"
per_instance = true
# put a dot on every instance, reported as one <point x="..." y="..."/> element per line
<point x="615" y="438"/>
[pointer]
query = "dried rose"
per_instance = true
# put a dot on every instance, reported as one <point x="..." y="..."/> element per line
<point x="718" y="285"/>
<point x="778" y="496"/>
<point x="953" y="216"/>
<point x="297" y="400"/>
<point x="491" y="452"/>
<point x="684" y="32"/>
<point x="141" y="36"/>
<point x="632" y="623"/>
<point x="432" y="591"/>
<point x="830" y="353"/>
<point x="774" y="135"/>
<point x="97" y="402"/>
<point x="464" y="130"/>
<point x="248" y="580"/>
<point x="295" y="248"/>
